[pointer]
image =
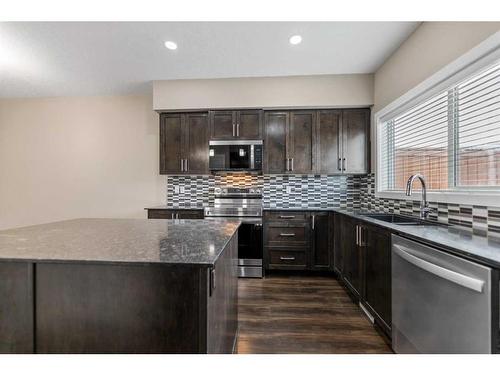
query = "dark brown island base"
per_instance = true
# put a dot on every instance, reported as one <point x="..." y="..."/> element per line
<point x="119" y="286"/>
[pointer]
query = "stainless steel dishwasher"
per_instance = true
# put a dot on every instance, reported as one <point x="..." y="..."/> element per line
<point x="440" y="303"/>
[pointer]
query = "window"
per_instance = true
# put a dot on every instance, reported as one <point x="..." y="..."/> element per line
<point x="453" y="138"/>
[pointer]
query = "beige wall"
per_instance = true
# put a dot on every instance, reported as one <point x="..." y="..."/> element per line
<point x="267" y="92"/>
<point x="431" y="46"/>
<point x="63" y="158"/>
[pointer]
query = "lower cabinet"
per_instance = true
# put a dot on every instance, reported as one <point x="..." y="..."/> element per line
<point x="362" y="256"/>
<point x="377" y="273"/>
<point x="163" y="213"/>
<point x="298" y="240"/>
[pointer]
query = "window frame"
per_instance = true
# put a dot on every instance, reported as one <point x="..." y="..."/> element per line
<point x="446" y="79"/>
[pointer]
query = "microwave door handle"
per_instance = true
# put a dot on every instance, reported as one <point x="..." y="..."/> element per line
<point x="442" y="272"/>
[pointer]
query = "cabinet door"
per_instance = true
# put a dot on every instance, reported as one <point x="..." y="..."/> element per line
<point x="222" y="124"/>
<point x="377" y="254"/>
<point x="355" y="134"/>
<point x="196" y="152"/>
<point x="301" y="142"/>
<point x="171" y="143"/>
<point x="320" y="229"/>
<point x="351" y="253"/>
<point x="328" y="142"/>
<point x="275" y="133"/>
<point x="249" y="125"/>
<point x="338" y="254"/>
<point x="190" y="214"/>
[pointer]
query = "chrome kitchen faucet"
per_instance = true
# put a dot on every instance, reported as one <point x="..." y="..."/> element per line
<point x="424" y="205"/>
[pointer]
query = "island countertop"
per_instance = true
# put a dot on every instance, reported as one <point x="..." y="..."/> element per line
<point x="187" y="242"/>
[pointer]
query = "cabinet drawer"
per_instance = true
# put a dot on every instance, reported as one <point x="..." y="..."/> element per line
<point x="287" y="258"/>
<point x="287" y="235"/>
<point x="175" y="214"/>
<point x="286" y="216"/>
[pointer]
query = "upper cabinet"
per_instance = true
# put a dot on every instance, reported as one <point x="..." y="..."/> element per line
<point x="330" y="141"/>
<point x="244" y="124"/>
<point x="184" y="143"/>
<point x="325" y="141"/>
<point x="355" y="140"/>
<point x="289" y="142"/>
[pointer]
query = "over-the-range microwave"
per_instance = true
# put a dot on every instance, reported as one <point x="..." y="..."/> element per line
<point x="235" y="155"/>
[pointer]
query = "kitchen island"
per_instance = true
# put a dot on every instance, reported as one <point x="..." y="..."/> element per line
<point x="119" y="286"/>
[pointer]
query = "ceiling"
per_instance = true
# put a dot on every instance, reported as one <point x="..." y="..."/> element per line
<point x="91" y="58"/>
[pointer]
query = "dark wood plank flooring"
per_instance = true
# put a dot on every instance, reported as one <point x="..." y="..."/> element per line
<point x="302" y="314"/>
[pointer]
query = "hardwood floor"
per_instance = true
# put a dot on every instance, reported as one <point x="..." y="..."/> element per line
<point x="302" y="314"/>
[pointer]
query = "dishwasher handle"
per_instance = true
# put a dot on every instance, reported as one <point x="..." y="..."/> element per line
<point x="455" y="277"/>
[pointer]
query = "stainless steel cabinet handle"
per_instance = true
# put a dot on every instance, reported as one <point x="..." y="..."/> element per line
<point x="292" y="163"/>
<point x="313" y="218"/>
<point x="177" y="216"/>
<point x="287" y="217"/>
<point x="339" y="164"/>
<point x="454" y="277"/>
<point x="234" y="132"/>
<point x="287" y="258"/>
<point x="287" y="234"/>
<point x="238" y="129"/>
<point x="186" y="168"/>
<point x="287" y="168"/>
<point x="172" y="216"/>
<point x="182" y="165"/>
<point x="343" y="163"/>
<point x="357" y="235"/>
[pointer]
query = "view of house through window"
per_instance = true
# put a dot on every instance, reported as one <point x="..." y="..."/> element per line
<point x="453" y="139"/>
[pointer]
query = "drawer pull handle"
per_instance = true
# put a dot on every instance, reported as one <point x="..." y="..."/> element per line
<point x="287" y="217"/>
<point x="287" y="258"/>
<point x="287" y="234"/>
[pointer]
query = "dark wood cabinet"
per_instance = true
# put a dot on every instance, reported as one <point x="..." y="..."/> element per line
<point x="325" y="141"/>
<point x="328" y="142"/>
<point x="298" y="240"/>
<point x="163" y="213"/>
<point x="362" y="259"/>
<point x="301" y="142"/>
<point x="275" y="140"/>
<point x="355" y="140"/>
<point x="351" y="254"/>
<point x="321" y="229"/>
<point x="377" y="273"/>
<point x="289" y="142"/>
<point x="184" y="143"/>
<point x="244" y="124"/>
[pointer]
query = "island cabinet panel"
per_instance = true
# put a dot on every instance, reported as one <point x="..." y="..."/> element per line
<point x="85" y="308"/>
<point x="16" y="307"/>
<point x="222" y="302"/>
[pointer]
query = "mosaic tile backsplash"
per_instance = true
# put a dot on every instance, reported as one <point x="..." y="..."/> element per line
<point x="321" y="191"/>
<point x="287" y="191"/>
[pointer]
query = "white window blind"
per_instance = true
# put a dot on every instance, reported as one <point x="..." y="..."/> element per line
<point x="453" y="138"/>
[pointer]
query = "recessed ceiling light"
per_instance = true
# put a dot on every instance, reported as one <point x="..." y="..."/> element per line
<point x="295" y="39"/>
<point x="170" y="45"/>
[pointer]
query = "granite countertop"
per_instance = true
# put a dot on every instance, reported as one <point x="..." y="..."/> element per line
<point x="453" y="239"/>
<point x="187" y="242"/>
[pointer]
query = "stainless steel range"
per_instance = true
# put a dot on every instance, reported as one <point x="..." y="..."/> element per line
<point x="246" y="205"/>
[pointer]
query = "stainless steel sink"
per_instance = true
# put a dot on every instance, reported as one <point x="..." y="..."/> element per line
<point x="401" y="219"/>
